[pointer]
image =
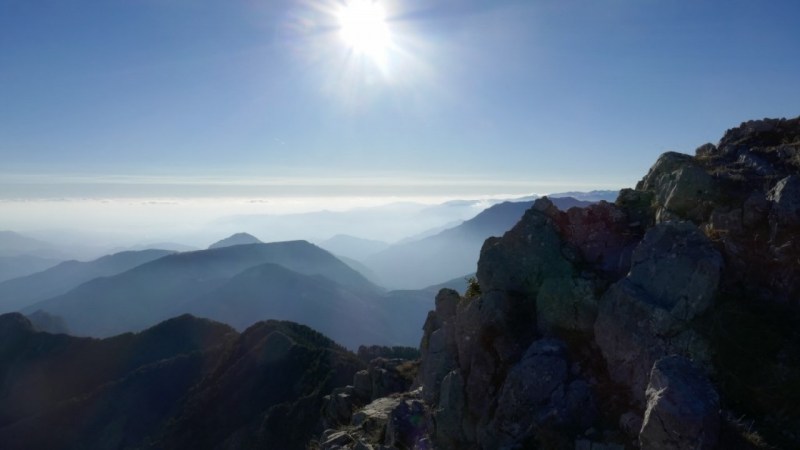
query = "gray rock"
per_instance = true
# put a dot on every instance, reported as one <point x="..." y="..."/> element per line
<point x="408" y="424"/>
<point x="754" y="210"/>
<point x="603" y="235"/>
<point x="438" y="349"/>
<point x="386" y="378"/>
<point x="528" y="253"/>
<point x="362" y="385"/>
<point x="373" y="418"/>
<point x="566" y="304"/>
<point x="784" y="216"/>
<point x="647" y="315"/>
<point x="678" y="268"/>
<point x="682" y="408"/>
<point x="338" y="407"/>
<point x="449" y="416"/>
<point x="336" y="440"/>
<point x="682" y="189"/>
<point x="537" y="394"/>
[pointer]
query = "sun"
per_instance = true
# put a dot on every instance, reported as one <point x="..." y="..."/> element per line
<point x="362" y="26"/>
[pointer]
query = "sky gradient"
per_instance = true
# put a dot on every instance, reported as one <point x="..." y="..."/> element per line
<point x="194" y="98"/>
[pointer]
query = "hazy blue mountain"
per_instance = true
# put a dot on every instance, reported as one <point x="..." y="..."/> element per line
<point x="449" y="253"/>
<point x="589" y="197"/>
<point x="165" y="287"/>
<point x="21" y="265"/>
<point x="172" y="246"/>
<point x="385" y="223"/>
<point x="15" y="244"/>
<point x="361" y="268"/>
<point x="275" y="292"/>
<point x="458" y="284"/>
<point x="352" y="247"/>
<point x="236" y="239"/>
<point x="22" y="292"/>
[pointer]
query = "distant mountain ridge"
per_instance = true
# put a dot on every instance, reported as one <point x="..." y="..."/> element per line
<point x="18" y="266"/>
<point x="16" y="244"/>
<point x="352" y="246"/>
<point x="240" y="285"/>
<point x="19" y="293"/>
<point x="151" y="292"/>
<point x="236" y="239"/>
<point x="450" y="253"/>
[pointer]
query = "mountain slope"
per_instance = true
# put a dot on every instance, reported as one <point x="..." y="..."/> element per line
<point x="352" y="247"/>
<point x="152" y="292"/>
<point x="185" y="383"/>
<point x="272" y="291"/>
<point x="21" y="292"/>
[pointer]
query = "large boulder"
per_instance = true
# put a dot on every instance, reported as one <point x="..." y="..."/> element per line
<point x="648" y="314"/>
<point x="682" y="408"/>
<point x="683" y="190"/>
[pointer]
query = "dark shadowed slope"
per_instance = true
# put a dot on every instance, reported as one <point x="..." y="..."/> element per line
<point x="152" y="292"/>
<point x="266" y="391"/>
<point x="186" y="383"/>
<point x="450" y="253"/>
<point x="21" y="292"/>
<point x="40" y="370"/>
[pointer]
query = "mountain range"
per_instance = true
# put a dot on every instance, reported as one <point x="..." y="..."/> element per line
<point x="184" y="383"/>
<point x="19" y="293"/>
<point x="238" y="285"/>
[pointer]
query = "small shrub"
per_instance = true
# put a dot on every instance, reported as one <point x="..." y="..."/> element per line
<point x="473" y="288"/>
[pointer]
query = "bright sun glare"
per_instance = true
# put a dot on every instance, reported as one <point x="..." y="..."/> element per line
<point x="363" y="27"/>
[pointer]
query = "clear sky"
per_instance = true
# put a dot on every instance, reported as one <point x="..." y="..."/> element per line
<point x="456" y="97"/>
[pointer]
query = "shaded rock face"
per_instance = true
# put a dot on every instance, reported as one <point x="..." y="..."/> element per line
<point x="590" y="306"/>
<point x="647" y="315"/>
<point x="682" y="408"/>
<point x="538" y="393"/>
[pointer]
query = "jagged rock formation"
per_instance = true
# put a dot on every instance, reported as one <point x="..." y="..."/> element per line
<point x="649" y="322"/>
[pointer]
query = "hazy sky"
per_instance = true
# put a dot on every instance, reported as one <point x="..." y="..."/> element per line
<point x="193" y="98"/>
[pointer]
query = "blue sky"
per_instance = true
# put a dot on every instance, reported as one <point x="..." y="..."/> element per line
<point x="101" y="98"/>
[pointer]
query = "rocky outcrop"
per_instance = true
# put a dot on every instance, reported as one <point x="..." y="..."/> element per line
<point x="582" y="315"/>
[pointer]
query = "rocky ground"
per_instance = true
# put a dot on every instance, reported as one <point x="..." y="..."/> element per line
<point x="666" y="320"/>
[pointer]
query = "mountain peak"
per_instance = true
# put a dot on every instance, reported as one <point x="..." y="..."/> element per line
<point x="236" y="239"/>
